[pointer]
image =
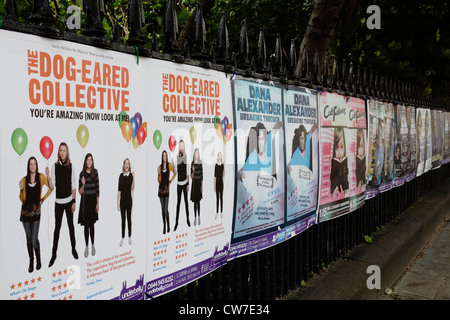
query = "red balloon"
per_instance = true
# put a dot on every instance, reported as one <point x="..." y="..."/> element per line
<point x="140" y="136"/>
<point x="46" y="147"/>
<point x="172" y="143"/>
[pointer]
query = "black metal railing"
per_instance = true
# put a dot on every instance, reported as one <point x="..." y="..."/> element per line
<point x="270" y="273"/>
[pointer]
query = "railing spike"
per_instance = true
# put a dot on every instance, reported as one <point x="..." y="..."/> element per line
<point x="170" y="28"/>
<point x="243" y="47"/>
<point x="261" y="58"/>
<point x="223" y="41"/>
<point x="136" y="21"/>
<point x="94" y="25"/>
<point x="199" y="34"/>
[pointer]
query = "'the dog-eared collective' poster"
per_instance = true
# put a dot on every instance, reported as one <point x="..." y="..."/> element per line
<point x="190" y="174"/>
<point x="73" y="206"/>
<point x="302" y="156"/>
<point x="259" y="214"/>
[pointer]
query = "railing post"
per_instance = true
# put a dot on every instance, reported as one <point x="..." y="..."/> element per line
<point x="223" y="41"/>
<point x="170" y="28"/>
<point x="94" y="11"/>
<point x="261" y="56"/>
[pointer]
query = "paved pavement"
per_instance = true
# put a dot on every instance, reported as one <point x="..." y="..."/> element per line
<point x="428" y="276"/>
<point x="413" y="256"/>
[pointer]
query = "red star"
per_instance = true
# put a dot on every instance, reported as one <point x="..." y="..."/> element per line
<point x="39" y="279"/>
<point x="19" y="284"/>
<point x="12" y="286"/>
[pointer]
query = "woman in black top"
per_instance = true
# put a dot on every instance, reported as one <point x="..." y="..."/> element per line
<point x="30" y="214"/>
<point x="219" y="173"/>
<point x="182" y="183"/>
<point x="124" y="197"/>
<point x="88" y="187"/>
<point x="163" y="190"/>
<point x="197" y="184"/>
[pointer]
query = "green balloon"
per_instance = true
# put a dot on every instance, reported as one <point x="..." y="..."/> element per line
<point x="122" y="116"/>
<point x="216" y="120"/>
<point x="19" y="140"/>
<point x="157" y="138"/>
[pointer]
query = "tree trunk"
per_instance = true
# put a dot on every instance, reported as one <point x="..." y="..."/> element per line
<point x="321" y="31"/>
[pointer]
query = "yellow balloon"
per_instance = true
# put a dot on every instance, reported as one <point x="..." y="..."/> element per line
<point x="82" y="135"/>
<point x="135" y="142"/>
<point x="193" y="134"/>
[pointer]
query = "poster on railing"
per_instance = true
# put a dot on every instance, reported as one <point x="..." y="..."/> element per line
<point x="190" y="174"/>
<point x="356" y="147"/>
<point x="73" y="197"/>
<point x="302" y="158"/>
<point x="401" y="161"/>
<point x="411" y="158"/>
<point x="446" y="146"/>
<point x="375" y="147"/>
<point x="389" y="146"/>
<point x="436" y="133"/>
<point x="424" y="141"/>
<point x="259" y="210"/>
<point x="334" y="157"/>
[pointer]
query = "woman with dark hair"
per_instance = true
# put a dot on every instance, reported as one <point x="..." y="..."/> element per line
<point x="197" y="184"/>
<point x="164" y="181"/>
<point x="30" y="214"/>
<point x="88" y="187"/>
<point x="339" y="167"/>
<point x="124" y="197"/>
<point x="219" y="173"/>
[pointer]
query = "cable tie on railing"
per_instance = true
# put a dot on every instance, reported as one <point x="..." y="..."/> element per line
<point x="137" y="53"/>
<point x="232" y="76"/>
<point x="1" y="21"/>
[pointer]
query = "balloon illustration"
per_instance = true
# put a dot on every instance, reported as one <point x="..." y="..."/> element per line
<point x="138" y="118"/>
<point x="135" y="142"/>
<point x="144" y="125"/>
<point x="134" y="126"/>
<point x="193" y="134"/>
<point x="19" y="140"/>
<point x="172" y="143"/>
<point x="127" y="130"/>
<point x="82" y="135"/>
<point x="224" y="126"/>
<point x="46" y="146"/>
<point x="225" y="119"/>
<point x="157" y="138"/>
<point x="122" y="117"/>
<point x="141" y="135"/>
<point x="216" y="120"/>
<point x="228" y="134"/>
<point x="219" y="130"/>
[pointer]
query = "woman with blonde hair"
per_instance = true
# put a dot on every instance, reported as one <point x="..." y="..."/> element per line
<point x="124" y="197"/>
<point x="63" y="178"/>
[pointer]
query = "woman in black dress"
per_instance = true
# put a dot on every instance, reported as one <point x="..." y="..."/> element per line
<point x="88" y="187"/>
<point x="219" y="173"/>
<point x="124" y="197"/>
<point x="164" y="181"/>
<point x="197" y="184"/>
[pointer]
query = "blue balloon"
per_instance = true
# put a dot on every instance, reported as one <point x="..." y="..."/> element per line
<point x="224" y="126"/>
<point x="134" y="126"/>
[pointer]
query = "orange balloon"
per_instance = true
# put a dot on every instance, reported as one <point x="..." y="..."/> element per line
<point x="219" y="129"/>
<point x="144" y="125"/>
<point x="127" y="130"/>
